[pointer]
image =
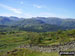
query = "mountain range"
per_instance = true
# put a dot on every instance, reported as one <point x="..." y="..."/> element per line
<point x="37" y="24"/>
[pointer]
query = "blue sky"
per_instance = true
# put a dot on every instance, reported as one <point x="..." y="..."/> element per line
<point x="38" y="8"/>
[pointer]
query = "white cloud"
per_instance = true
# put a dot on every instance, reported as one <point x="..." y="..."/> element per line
<point x="42" y="14"/>
<point x="28" y="15"/>
<point x="47" y="14"/>
<point x="18" y="11"/>
<point x="8" y="15"/>
<point x="37" y="6"/>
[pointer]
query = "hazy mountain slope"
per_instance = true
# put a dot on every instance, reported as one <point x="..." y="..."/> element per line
<point x="38" y="24"/>
<point x="57" y="21"/>
<point x="50" y="20"/>
<point x="4" y="20"/>
<point x="9" y="20"/>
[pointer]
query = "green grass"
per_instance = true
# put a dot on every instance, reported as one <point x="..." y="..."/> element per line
<point x="27" y="52"/>
<point x="10" y="41"/>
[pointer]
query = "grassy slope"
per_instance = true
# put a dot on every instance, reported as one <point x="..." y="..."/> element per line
<point x="11" y="41"/>
<point x="26" y="52"/>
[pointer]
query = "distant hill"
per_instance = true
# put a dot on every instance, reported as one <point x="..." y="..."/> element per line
<point x="38" y="24"/>
<point x="57" y="21"/>
<point x="9" y="20"/>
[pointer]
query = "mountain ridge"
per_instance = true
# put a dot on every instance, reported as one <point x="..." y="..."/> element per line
<point x="38" y="24"/>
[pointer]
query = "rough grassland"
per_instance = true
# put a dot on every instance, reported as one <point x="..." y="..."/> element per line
<point x="27" y="52"/>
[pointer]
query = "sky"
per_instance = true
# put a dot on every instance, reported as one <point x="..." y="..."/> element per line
<point x="38" y="8"/>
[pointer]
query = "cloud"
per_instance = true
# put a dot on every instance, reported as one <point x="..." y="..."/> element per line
<point x="47" y="14"/>
<point x="28" y="15"/>
<point x="7" y="14"/>
<point x="42" y="14"/>
<point x="37" y="6"/>
<point x="18" y="11"/>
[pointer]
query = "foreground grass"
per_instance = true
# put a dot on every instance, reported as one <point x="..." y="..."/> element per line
<point x="9" y="41"/>
<point x="27" y="52"/>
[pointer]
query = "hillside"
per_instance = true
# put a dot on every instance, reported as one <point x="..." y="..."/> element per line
<point x="11" y="40"/>
<point x="38" y="24"/>
<point x="36" y="32"/>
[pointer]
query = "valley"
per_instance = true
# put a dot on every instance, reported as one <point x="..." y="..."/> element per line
<point x="38" y="36"/>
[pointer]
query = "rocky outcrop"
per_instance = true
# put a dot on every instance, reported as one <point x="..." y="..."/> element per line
<point x="60" y="47"/>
